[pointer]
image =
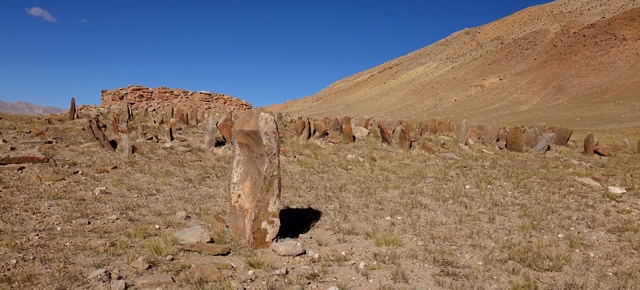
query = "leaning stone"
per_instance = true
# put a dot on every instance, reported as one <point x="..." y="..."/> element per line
<point x="20" y="157"/>
<point x="255" y="179"/>
<point x="288" y="247"/>
<point x="96" y="129"/>
<point x="193" y="235"/>
<point x="154" y="280"/>
<point x="210" y="132"/>
<point x="545" y="142"/>
<point x="514" y="140"/>
<point x="588" y="181"/>
<point x="384" y="133"/>
<point x="209" y="249"/>
<point x="589" y="145"/>
<point x="403" y="137"/>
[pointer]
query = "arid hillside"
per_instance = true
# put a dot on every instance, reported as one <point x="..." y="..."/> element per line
<point x="574" y="63"/>
<point x="28" y="108"/>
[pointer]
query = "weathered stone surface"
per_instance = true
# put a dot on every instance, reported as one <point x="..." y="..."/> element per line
<point x="118" y="285"/>
<point x="384" y="133"/>
<point x="299" y="127"/>
<point x="360" y="133"/>
<point x="210" y="132"/>
<point x="127" y="147"/>
<point x="255" y="179"/>
<point x="589" y="145"/>
<point x="193" y="235"/>
<point x="225" y="127"/>
<point x="530" y="137"/>
<point x="154" y="280"/>
<point x="545" y="142"/>
<point x="12" y="167"/>
<point x="562" y="134"/>
<point x="347" y="130"/>
<point x="320" y="129"/>
<point x="140" y="264"/>
<point x="489" y="133"/>
<point x="209" y="249"/>
<point x="288" y="247"/>
<point x="638" y="147"/>
<point x="433" y="126"/>
<point x="588" y="181"/>
<point x="72" y="110"/>
<point x="305" y="133"/>
<point x="21" y="157"/>
<point x="203" y="273"/>
<point x="95" y="127"/>
<point x="463" y="133"/>
<point x="124" y="117"/>
<point x="402" y="137"/>
<point x="514" y="140"/>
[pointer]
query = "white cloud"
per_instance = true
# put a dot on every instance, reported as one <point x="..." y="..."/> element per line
<point x="39" y="12"/>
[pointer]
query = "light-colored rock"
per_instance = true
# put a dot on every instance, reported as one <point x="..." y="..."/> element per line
<point x="545" y="142"/>
<point x="360" y="133"/>
<point x="209" y="249"/>
<point x="100" y="274"/>
<point x="204" y="273"/>
<point x="181" y="215"/>
<point x="255" y="179"/>
<point x="449" y="156"/>
<point x="155" y="280"/>
<point x="118" y="285"/>
<point x="193" y="235"/>
<point x="617" y="189"/>
<point x="288" y="247"/>
<point x="588" y="181"/>
<point x="140" y="264"/>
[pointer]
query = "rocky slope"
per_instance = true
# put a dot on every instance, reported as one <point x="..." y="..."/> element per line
<point x="567" y="62"/>
<point x="25" y="108"/>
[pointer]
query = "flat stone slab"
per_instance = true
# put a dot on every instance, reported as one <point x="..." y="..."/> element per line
<point x="288" y="247"/>
<point x="193" y="235"/>
<point x="209" y="249"/>
<point x="154" y="280"/>
<point x="20" y="157"/>
<point x="588" y="181"/>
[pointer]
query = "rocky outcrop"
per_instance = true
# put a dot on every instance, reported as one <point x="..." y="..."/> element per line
<point x="139" y="97"/>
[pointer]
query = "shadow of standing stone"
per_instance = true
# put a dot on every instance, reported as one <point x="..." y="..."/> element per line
<point x="297" y="221"/>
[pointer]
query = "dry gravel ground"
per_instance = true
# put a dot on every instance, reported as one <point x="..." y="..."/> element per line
<point x="390" y="220"/>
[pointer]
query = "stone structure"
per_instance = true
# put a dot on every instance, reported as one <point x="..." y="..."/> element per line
<point x="255" y="180"/>
<point x="589" y="144"/>
<point x="72" y="110"/>
<point x="514" y="139"/>
<point x="225" y="127"/>
<point x="545" y="142"/>
<point x="95" y="127"/>
<point x="384" y="133"/>
<point x="347" y="130"/>
<point x="562" y="134"/>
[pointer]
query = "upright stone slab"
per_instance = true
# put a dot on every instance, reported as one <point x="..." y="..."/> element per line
<point x="210" y="132"/>
<point x="545" y="143"/>
<point x="255" y="179"/>
<point x="225" y="127"/>
<point x="72" y="110"/>
<point x="562" y="135"/>
<point x="123" y="118"/>
<point x="384" y="133"/>
<point x="463" y="133"/>
<point x="589" y="144"/>
<point x="347" y="130"/>
<point x="514" y="140"/>
<point x="402" y="136"/>
<point x="530" y="137"/>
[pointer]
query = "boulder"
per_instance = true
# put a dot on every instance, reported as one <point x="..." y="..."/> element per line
<point x="360" y="133"/>
<point x="530" y="137"/>
<point x="255" y="179"/>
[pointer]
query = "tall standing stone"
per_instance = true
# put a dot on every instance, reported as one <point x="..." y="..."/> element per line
<point x="463" y="133"/>
<point x="255" y="179"/>
<point x="123" y="118"/>
<point x="514" y="140"/>
<point x="72" y="110"/>
<point x="95" y="126"/>
<point x="530" y="137"/>
<point x="347" y="130"/>
<point x="589" y="144"/>
<point x="225" y="127"/>
<point x="210" y="132"/>
<point x="384" y="133"/>
<point x="402" y="136"/>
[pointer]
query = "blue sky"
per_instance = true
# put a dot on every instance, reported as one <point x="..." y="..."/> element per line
<point x="264" y="52"/>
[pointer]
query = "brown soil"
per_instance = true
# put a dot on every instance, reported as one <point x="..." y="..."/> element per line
<point x="390" y="220"/>
<point x="573" y="63"/>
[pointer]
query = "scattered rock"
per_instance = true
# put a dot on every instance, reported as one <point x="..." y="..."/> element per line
<point x="449" y="156"/>
<point x="281" y="272"/>
<point x="12" y="167"/>
<point x="617" y="189"/>
<point x="204" y="273"/>
<point x="100" y="274"/>
<point x="100" y="190"/>
<point x="562" y="135"/>
<point x="588" y="181"/>
<point x="255" y="179"/>
<point x="118" y="285"/>
<point x="360" y="133"/>
<point x="288" y="247"/>
<point x="181" y="215"/>
<point x="209" y="249"/>
<point x="193" y="235"/>
<point x="154" y="280"/>
<point x="26" y="156"/>
<point x="52" y="178"/>
<point x="140" y="264"/>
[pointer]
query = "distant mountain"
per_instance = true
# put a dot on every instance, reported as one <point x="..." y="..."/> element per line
<point x="574" y="63"/>
<point x="24" y="108"/>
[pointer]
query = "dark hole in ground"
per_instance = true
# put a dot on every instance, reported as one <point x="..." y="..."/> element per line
<point x="297" y="221"/>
